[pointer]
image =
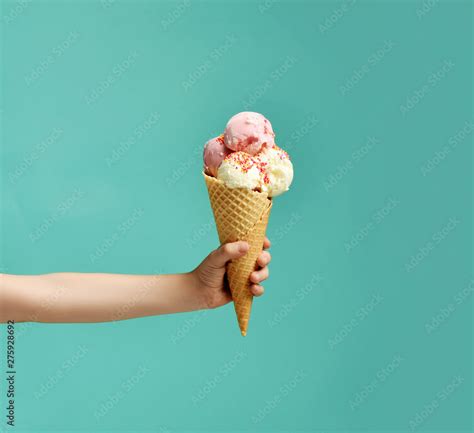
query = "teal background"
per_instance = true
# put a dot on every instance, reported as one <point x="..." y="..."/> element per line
<point x="359" y="330"/>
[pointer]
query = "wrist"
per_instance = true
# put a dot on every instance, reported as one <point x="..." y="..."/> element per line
<point x="193" y="281"/>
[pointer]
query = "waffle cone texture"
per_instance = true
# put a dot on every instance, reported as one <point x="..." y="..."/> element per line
<point x="240" y="215"/>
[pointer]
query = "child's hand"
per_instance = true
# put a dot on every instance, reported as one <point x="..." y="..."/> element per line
<point x="210" y="274"/>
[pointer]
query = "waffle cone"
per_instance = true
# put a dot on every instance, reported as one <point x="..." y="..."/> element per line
<point x="240" y="215"/>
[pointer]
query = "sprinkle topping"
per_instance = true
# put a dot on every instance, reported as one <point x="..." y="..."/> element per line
<point x="241" y="160"/>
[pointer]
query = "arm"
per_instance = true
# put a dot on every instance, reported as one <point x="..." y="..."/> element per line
<point x="75" y="297"/>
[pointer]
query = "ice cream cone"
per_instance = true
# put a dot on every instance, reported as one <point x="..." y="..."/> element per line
<point x="240" y="215"/>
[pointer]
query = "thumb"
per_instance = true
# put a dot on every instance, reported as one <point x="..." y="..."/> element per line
<point x="227" y="252"/>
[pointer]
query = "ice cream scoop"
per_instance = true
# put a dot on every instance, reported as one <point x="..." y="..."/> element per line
<point x="276" y="170"/>
<point x="214" y="153"/>
<point x="239" y="170"/>
<point x="246" y="156"/>
<point x="248" y="132"/>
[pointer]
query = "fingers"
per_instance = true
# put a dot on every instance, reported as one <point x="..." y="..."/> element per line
<point x="235" y="250"/>
<point x="260" y="275"/>
<point x="226" y="252"/>
<point x="264" y="259"/>
<point x="257" y="290"/>
<point x="266" y="244"/>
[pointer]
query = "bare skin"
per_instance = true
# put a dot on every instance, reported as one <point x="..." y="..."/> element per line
<point x="76" y="297"/>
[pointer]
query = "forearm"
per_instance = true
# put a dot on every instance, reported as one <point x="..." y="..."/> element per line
<point x="75" y="297"/>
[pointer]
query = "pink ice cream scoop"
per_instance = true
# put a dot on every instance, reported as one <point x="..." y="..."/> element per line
<point x="248" y="132"/>
<point x="214" y="153"/>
